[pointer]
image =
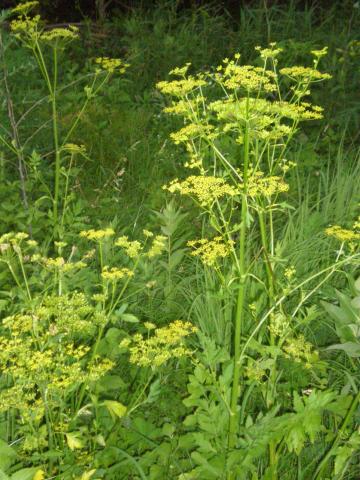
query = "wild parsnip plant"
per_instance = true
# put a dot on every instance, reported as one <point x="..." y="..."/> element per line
<point x="238" y="123"/>
<point x="227" y="345"/>
<point x="47" y="46"/>
<point x="56" y="347"/>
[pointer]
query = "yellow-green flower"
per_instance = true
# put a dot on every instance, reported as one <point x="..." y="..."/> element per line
<point x="210" y="251"/>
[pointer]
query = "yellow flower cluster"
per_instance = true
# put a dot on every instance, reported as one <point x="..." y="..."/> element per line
<point x="180" y="71"/>
<point x="113" y="274"/>
<point x="301" y="73"/>
<point x="166" y="343"/>
<point x="320" y="53"/>
<point x="192" y="131"/>
<point x="157" y="247"/>
<point x="260" y="114"/>
<point x="70" y="33"/>
<point x="205" y="189"/>
<point x="258" y="184"/>
<point x="97" y="235"/>
<point x="26" y="25"/>
<point x="185" y="107"/>
<point x="132" y="248"/>
<point x="271" y="52"/>
<point x="181" y="88"/>
<point x="24" y="8"/>
<point x="210" y="251"/>
<point x="246" y="77"/>
<point x="15" y="238"/>
<point x="112" y="64"/>
<point x="59" y="263"/>
<point x="299" y="350"/>
<point x="343" y="234"/>
<point x="41" y="351"/>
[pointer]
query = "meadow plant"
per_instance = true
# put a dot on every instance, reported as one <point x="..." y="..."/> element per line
<point x="238" y="123"/>
<point x="46" y="47"/>
<point x="55" y="345"/>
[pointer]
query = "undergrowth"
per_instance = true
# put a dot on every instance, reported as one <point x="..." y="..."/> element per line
<point x="179" y="255"/>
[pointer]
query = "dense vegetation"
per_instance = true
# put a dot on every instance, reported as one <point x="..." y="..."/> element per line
<point x="179" y="251"/>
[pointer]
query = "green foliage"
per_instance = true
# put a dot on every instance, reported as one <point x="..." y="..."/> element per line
<point x="140" y="355"/>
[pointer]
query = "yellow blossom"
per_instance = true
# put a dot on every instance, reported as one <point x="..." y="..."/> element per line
<point x="24" y="8"/>
<point x="166" y="343"/>
<point x="97" y="235"/>
<point x="180" y="88"/>
<point x="343" y="234"/>
<point x="210" y="251"/>
<point x="132" y="248"/>
<point x="114" y="273"/>
<point x="258" y="184"/>
<point x="70" y="33"/>
<point x="205" y="189"/>
<point x="158" y="246"/>
<point x="112" y="64"/>
<point x="304" y="73"/>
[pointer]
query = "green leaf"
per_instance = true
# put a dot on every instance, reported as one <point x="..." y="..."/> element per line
<point x="25" y="474"/>
<point x="7" y="455"/>
<point x="3" y="475"/>
<point x="355" y="303"/>
<point x="116" y="409"/>
<point x="129" y="318"/>
<point x="350" y="348"/>
<point x="73" y="440"/>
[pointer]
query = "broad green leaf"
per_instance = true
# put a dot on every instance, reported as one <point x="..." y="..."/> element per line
<point x="129" y="318"/>
<point x="7" y="455"/>
<point x="116" y="409"/>
<point x="350" y="348"/>
<point x="355" y="303"/>
<point x="25" y="474"/>
<point x="3" y="475"/>
<point x="73" y="440"/>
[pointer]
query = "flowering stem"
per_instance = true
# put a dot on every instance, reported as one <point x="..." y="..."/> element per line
<point x="233" y="424"/>
<point x="56" y="143"/>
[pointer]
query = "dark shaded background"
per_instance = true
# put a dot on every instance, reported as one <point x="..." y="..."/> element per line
<point x="100" y="10"/>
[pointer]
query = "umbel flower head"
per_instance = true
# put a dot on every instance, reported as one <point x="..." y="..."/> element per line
<point x="30" y="29"/>
<point x="210" y="251"/>
<point x="166" y="343"/>
<point x="111" y="65"/>
<point x="205" y="189"/>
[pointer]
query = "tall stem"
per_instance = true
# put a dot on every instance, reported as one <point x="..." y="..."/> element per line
<point x="233" y="424"/>
<point x="271" y="298"/>
<point x="56" y="144"/>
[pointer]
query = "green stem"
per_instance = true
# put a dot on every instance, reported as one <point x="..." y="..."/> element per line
<point x="338" y="437"/>
<point x="56" y="144"/>
<point x="271" y="296"/>
<point x="233" y="423"/>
